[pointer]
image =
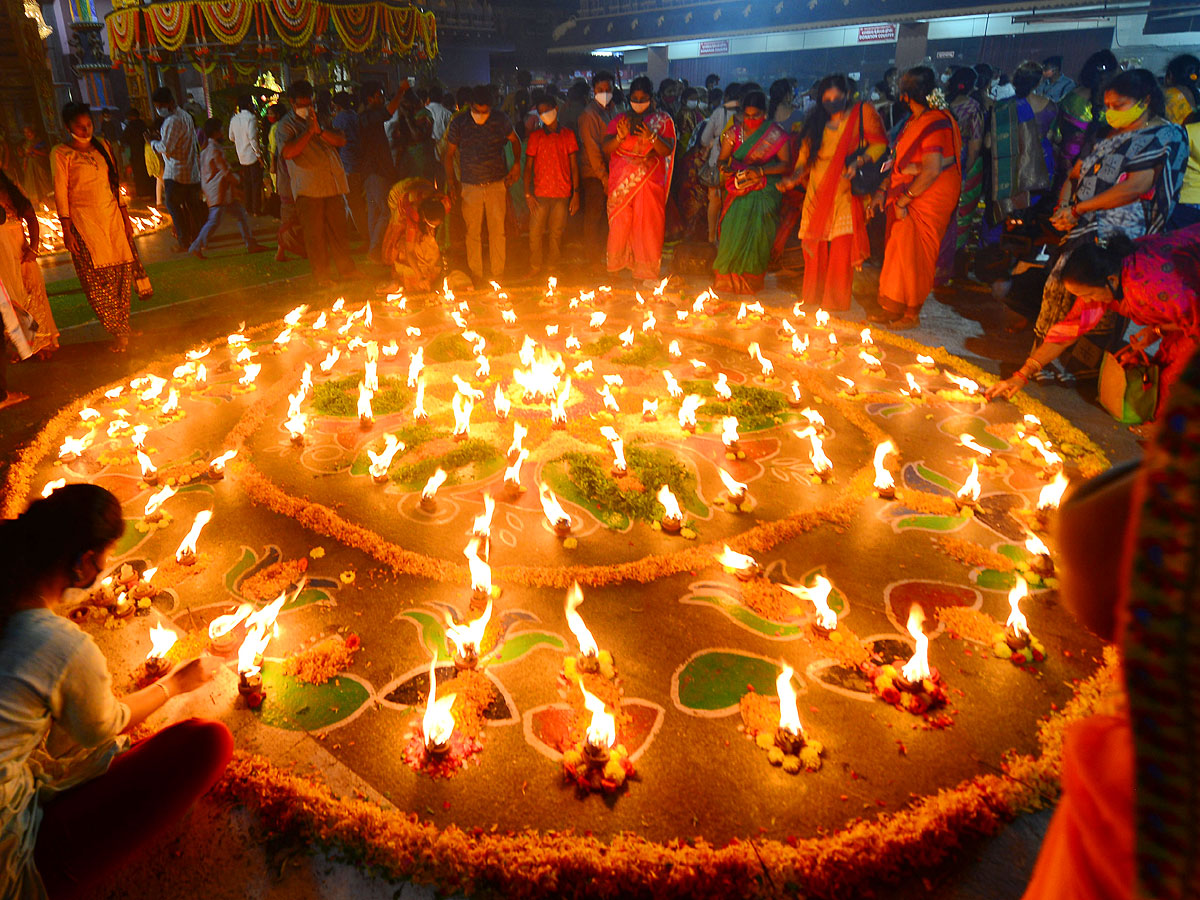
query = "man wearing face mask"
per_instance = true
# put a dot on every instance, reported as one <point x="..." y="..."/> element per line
<point x="593" y="169"/>
<point x="176" y="143"/>
<point x="551" y="185"/>
<point x="318" y="183"/>
<point x="480" y="138"/>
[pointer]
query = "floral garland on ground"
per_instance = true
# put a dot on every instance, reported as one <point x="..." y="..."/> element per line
<point x="530" y="864"/>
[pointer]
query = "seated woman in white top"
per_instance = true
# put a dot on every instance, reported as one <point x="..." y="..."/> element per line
<point x="76" y="800"/>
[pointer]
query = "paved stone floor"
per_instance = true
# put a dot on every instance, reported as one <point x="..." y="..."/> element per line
<point x="216" y="852"/>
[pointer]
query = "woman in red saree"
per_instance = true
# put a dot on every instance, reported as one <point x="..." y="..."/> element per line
<point x="920" y="199"/>
<point x="640" y="145"/>
<point x="754" y="153"/>
<point x="833" y="230"/>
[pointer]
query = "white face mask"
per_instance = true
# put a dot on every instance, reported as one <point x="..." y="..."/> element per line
<point x="731" y="104"/>
<point x="162" y="111"/>
<point x="639" y="108"/>
<point x="693" y="104"/>
<point x="303" y="111"/>
<point x="479" y="118"/>
<point x="603" y="98"/>
<point x="549" y="117"/>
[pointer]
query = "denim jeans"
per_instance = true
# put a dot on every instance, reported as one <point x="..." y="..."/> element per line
<point x="215" y="213"/>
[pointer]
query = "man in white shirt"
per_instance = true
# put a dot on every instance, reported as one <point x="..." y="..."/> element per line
<point x="243" y="134"/>
<point x="176" y="143"/>
<point x="441" y="115"/>
<point x="710" y="139"/>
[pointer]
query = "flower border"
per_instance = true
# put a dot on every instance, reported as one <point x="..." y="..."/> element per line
<point x="531" y="864"/>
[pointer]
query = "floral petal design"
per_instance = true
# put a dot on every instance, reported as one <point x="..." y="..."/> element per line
<point x="932" y="595"/>
<point x="412" y="690"/>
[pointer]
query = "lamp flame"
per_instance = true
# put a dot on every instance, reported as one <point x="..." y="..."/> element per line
<point x="1052" y="493"/>
<point x="966" y="385"/>
<point x="481" y="575"/>
<point x="883" y="478"/>
<point x="739" y="562"/>
<point x="382" y="460"/>
<point x="687" y="411"/>
<point x="365" y="413"/>
<point x="555" y="514"/>
<point x="729" y="431"/>
<point x="330" y="359"/>
<point x="148" y="468"/>
<point x="161" y="640"/>
<point x="971" y="444"/>
<point x="512" y="475"/>
<point x="721" y="387"/>
<point x="602" y="731"/>
<point x="1016" y="619"/>
<point x="818" y="594"/>
<point x="482" y="526"/>
<point x="187" y="546"/>
<point x="917" y="668"/>
<point x="222" y="625"/>
<point x="969" y="492"/>
<point x="431" y="486"/>
<point x="587" y="643"/>
<point x="735" y="487"/>
<point x="789" y="715"/>
<point x="158" y="499"/>
<point x="673" y="388"/>
<point x="419" y="401"/>
<point x="670" y="505"/>
<point x="218" y="464"/>
<point x="462" y="407"/>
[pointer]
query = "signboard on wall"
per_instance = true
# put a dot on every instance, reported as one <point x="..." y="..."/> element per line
<point x="869" y="34"/>
<point x="713" y="48"/>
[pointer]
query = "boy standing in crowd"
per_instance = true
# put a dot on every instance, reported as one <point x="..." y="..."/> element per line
<point x="218" y="182"/>
<point x="551" y="185"/>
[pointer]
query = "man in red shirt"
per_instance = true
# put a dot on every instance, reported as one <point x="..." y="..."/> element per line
<point x="551" y="184"/>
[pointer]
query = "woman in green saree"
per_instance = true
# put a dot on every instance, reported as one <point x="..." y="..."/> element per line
<point x="755" y="153"/>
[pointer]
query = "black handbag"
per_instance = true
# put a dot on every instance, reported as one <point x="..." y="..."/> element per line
<point x="869" y="175"/>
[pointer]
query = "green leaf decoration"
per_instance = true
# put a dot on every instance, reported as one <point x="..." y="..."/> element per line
<point x="339" y="397"/>
<point x="713" y="681"/>
<point x="931" y="523"/>
<point x="518" y="645"/>
<point x="433" y="633"/>
<point x="974" y="426"/>
<point x="298" y="706"/>
<point x="745" y="616"/>
<point x="239" y="568"/>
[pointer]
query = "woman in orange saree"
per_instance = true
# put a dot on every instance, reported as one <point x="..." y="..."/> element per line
<point x="921" y="196"/>
<point x="640" y="147"/>
<point x="833" y="229"/>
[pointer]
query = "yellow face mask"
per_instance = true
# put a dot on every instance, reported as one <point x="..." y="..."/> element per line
<point x="1123" y="118"/>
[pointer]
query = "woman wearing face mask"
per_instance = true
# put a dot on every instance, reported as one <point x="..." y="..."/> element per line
<point x="639" y="145"/>
<point x="833" y="230"/>
<point x="1182" y="81"/>
<point x="691" y="197"/>
<point x="1127" y="184"/>
<point x="95" y="222"/>
<point x="1082" y="110"/>
<point x="79" y="800"/>
<point x="755" y="153"/>
<point x="919" y="198"/>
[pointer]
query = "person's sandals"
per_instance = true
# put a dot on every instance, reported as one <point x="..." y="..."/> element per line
<point x="904" y="323"/>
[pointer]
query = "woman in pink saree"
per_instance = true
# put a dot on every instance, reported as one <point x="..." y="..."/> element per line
<point x="640" y="146"/>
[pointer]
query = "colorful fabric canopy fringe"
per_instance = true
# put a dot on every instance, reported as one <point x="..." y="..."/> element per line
<point x="134" y="30"/>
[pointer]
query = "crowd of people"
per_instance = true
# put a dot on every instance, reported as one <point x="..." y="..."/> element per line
<point x="1074" y="200"/>
<point x="973" y="174"/>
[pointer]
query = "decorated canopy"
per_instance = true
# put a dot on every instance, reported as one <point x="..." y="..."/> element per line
<point x="249" y="28"/>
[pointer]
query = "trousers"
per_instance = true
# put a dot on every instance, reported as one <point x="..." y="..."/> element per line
<point x="478" y="200"/>
<point x="549" y="218"/>
<point x="324" y="222"/>
<point x="95" y="828"/>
